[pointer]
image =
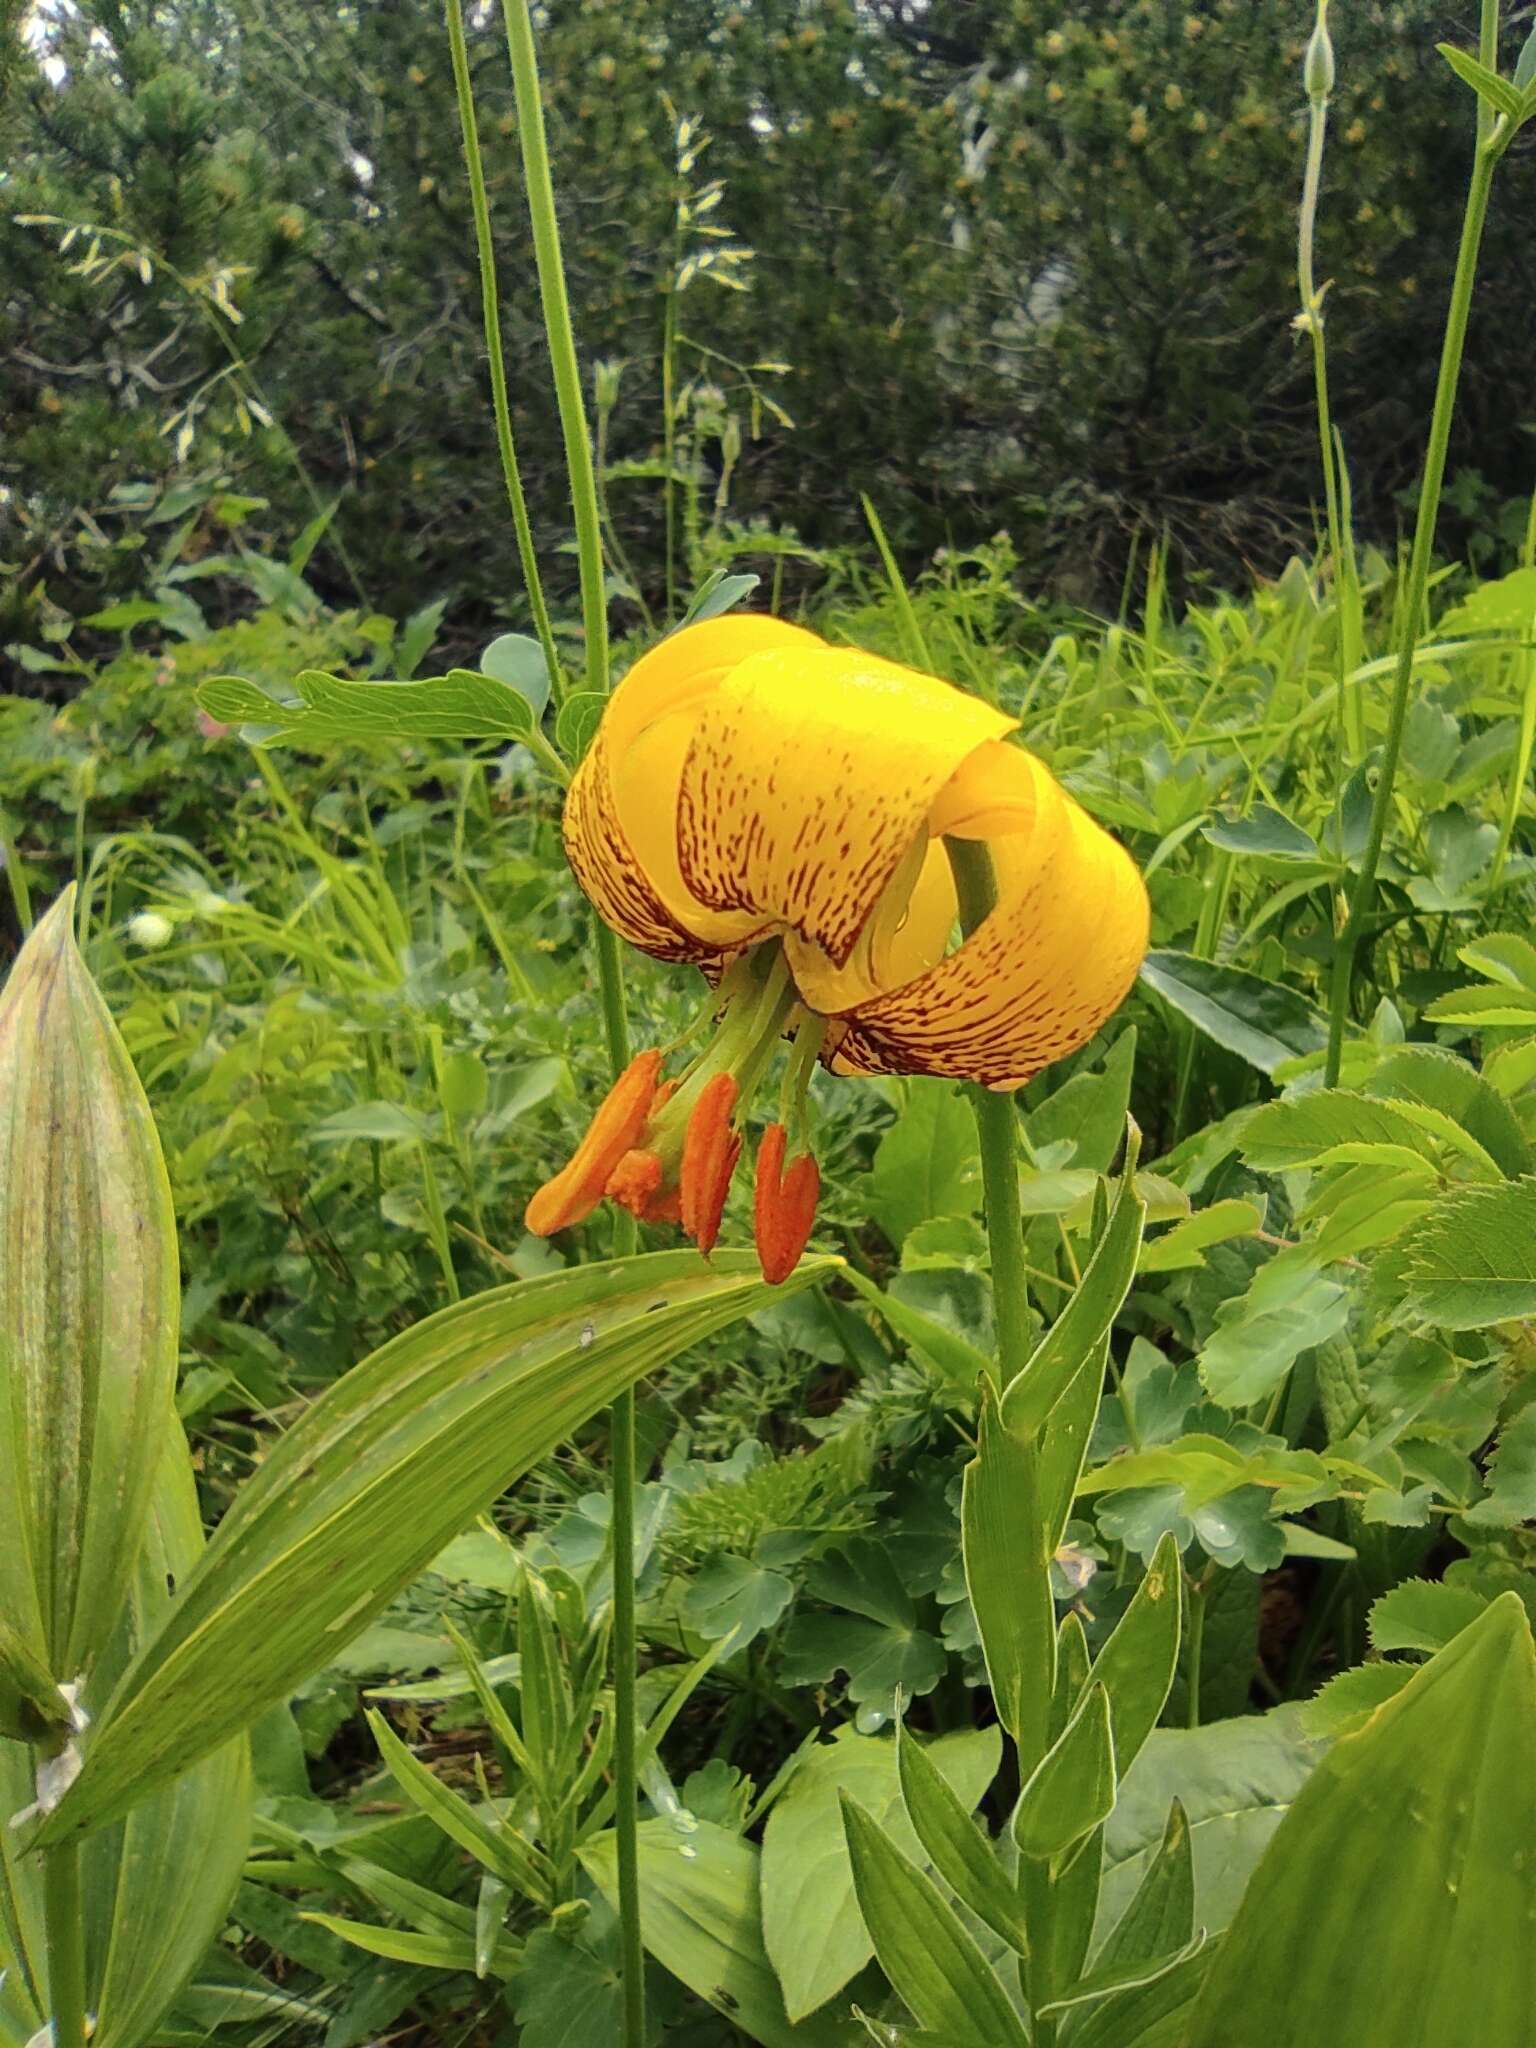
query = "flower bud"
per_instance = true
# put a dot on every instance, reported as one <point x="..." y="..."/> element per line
<point x="88" y="1309"/>
<point x="1318" y="70"/>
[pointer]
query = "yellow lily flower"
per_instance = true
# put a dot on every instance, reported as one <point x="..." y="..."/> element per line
<point x="775" y="810"/>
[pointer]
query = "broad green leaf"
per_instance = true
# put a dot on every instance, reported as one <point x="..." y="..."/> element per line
<point x="1186" y="1244"/>
<point x="699" y="1917"/>
<point x="460" y="705"/>
<point x="812" y="1928"/>
<point x="926" y="1164"/>
<point x="1423" y="1614"/>
<point x="959" y="1849"/>
<point x="577" y="720"/>
<point x="1007" y="1574"/>
<point x="518" y="661"/>
<point x="569" y="1991"/>
<point x="89" y="1306"/>
<point x="1481" y="1007"/>
<point x="1289" y="1307"/>
<point x="1264" y="832"/>
<point x="1472" y="1261"/>
<point x="147" y="1926"/>
<point x="1300" y="1130"/>
<point x="931" y="1960"/>
<point x="1418" y="1829"/>
<point x="1234" y="1779"/>
<point x="1511" y="1497"/>
<point x="1461" y="1100"/>
<point x="1261" y="1021"/>
<point x="719" y="593"/>
<point x="1507" y="604"/>
<point x="1088" y="1111"/>
<point x="1505" y="957"/>
<point x="878" y="1640"/>
<point x="1161" y="1915"/>
<point x="1073" y="1786"/>
<point x="372" y="1481"/>
<point x="1136" y="1665"/>
<point x="1347" y="1702"/>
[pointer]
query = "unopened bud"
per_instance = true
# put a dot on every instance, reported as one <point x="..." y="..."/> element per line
<point x="1318" y="70"/>
<point x="149" y="929"/>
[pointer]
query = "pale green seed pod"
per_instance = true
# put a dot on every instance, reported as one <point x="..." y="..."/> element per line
<point x="88" y="1309"/>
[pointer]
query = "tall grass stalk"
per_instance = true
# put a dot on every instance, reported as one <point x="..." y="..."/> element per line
<point x="1319" y="78"/>
<point x="594" y="600"/>
<point x="1493" y="136"/>
<point x="490" y="311"/>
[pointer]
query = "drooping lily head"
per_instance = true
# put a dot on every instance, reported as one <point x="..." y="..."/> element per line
<point x="792" y="817"/>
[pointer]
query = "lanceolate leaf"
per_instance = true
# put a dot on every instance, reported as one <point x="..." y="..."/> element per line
<point x="361" y="1493"/>
<point x="1394" y="1907"/>
<point x="922" y="1946"/>
<point x="1261" y="1021"/>
<point x="88" y="1307"/>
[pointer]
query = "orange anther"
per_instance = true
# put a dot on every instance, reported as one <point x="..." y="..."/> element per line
<point x="783" y="1205"/>
<point x="710" y="1151"/>
<point x="635" y="1184"/>
<point x="577" y="1189"/>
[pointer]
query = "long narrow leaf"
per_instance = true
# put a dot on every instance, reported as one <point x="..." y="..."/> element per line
<point x="375" y="1479"/>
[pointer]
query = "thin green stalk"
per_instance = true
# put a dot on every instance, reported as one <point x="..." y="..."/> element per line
<point x="64" y="1922"/>
<point x="490" y="311"/>
<point x="997" y="1133"/>
<point x="610" y="970"/>
<point x="669" y="432"/>
<point x="1194" y="1655"/>
<point x="1363" y="896"/>
<point x="560" y="336"/>
<point x="1319" y="81"/>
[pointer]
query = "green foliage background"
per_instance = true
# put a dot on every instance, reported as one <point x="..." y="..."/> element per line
<point x="1022" y="265"/>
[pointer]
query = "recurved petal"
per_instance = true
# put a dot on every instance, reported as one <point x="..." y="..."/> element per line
<point x="1039" y="975"/>
<point x="621" y="810"/>
<point x="609" y="871"/>
<point x="807" y="780"/>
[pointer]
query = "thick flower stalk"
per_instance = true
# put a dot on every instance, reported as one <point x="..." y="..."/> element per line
<point x="784" y="814"/>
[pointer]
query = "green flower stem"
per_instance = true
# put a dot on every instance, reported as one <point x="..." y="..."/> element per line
<point x="64" y="1922"/>
<point x="997" y="1133"/>
<point x="1363" y="898"/>
<point x="490" y="310"/>
<point x="560" y="336"/>
<point x="610" y="971"/>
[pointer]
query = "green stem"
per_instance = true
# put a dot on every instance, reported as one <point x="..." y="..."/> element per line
<point x="64" y="1921"/>
<point x="997" y="1134"/>
<point x="490" y="311"/>
<point x="582" y="477"/>
<point x="625" y="1715"/>
<point x="669" y="435"/>
<point x="1194" y="1656"/>
<point x="560" y="336"/>
<point x="1364" y="893"/>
